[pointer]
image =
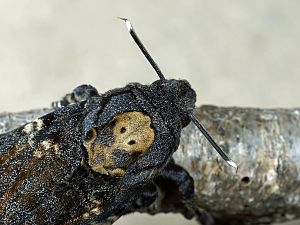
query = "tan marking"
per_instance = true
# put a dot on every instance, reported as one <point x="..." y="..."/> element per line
<point x="48" y="145"/>
<point x="45" y="148"/>
<point x="97" y="202"/>
<point x="82" y="161"/>
<point x="56" y="149"/>
<point x="132" y="133"/>
<point x="116" y="172"/>
<point x="39" y="124"/>
<point x="95" y="211"/>
<point x="28" y="128"/>
<point x="37" y="154"/>
<point x="70" y="100"/>
<point x="86" y="216"/>
<point x="30" y="140"/>
<point x="138" y="129"/>
<point x="34" y="126"/>
<point x="83" y="215"/>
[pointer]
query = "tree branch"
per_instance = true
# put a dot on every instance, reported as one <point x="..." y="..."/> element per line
<point x="265" y="143"/>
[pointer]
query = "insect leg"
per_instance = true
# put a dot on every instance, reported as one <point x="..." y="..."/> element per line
<point x="176" y="194"/>
<point x="148" y="196"/>
<point x="79" y="94"/>
<point x="178" y="180"/>
<point x="174" y="190"/>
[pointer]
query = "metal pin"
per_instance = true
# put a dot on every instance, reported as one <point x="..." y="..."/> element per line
<point x="162" y="77"/>
<point x="143" y="48"/>
<point x="213" y="143"/>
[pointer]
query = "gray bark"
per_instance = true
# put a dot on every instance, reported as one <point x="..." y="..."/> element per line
<point x="265" y="143"/>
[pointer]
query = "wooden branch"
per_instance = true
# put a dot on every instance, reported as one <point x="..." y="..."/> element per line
<point x="265" y="143"/>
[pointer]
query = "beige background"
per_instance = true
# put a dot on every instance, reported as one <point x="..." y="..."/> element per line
<point x="234" y="53"/>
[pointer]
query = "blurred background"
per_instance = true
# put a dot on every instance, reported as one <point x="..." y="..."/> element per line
<point x="234" y="53"/>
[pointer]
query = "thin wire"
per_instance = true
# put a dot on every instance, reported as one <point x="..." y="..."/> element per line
<point x="162" y="77"/>
<point x="213" y="143"/>
<point x="143" y="48"/>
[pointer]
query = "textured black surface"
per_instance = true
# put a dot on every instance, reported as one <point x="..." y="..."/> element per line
<point x="42" y="179"/>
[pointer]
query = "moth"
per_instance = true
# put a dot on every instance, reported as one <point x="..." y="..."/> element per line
<point x="97" y="157"/>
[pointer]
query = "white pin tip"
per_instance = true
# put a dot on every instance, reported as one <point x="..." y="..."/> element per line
<point x="233" y="164"/>
<point x="128" y="24"/>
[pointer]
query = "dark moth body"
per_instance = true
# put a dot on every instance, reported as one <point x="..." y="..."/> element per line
<point x="71" y="167"/>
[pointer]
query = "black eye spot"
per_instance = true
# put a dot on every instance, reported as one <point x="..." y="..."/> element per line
<point x="245" y="180"/>
<point x="132" y="142"/>
<point x="90" y="134"/>
<point x="123" y="130"/>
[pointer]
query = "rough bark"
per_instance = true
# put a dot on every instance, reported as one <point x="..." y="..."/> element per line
<point x="265" y="143"/>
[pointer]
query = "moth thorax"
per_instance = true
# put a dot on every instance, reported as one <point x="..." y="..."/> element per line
<point x="111" y="148"/>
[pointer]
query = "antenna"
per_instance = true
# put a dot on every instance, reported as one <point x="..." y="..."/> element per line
<point x="162" y="77"/>
<point x="143" y="48"/>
